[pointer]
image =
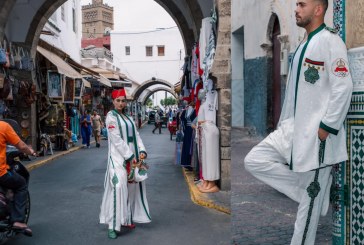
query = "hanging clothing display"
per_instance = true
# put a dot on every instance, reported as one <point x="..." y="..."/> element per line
<point x="210" y="151"/>
<point x="187" y="117"/>
<point x="194" y="65"/>
<point x="206" y="30"/>
<point x="209" y="58"/>
<point x="208" y="108"/>
<point x="209" y="134"/>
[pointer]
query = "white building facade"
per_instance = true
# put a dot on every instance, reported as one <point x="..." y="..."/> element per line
<point x="64" y="29"/>
<point x="149" y="54"/>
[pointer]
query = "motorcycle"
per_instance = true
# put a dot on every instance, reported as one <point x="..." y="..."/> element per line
<point x="13" y="158"/>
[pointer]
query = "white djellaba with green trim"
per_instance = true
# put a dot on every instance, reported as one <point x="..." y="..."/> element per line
<point x="317" y="96"/>
<point x="123" y="203"/>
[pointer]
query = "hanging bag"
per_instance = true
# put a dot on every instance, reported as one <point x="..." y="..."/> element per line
<point x="11" y="56"/>
<point x="7" y="64"/>
<point x="17" y="59"/>
<point x="26" y="61"/>
<point x="3" y="59"/>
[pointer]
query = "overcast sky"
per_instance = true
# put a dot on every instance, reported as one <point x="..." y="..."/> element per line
<point x="137" y="14"/>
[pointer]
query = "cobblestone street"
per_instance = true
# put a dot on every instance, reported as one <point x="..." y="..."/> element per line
<point x="260" y="214"/>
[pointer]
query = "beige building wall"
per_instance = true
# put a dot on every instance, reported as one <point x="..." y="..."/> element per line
<point x="354" y="32"/>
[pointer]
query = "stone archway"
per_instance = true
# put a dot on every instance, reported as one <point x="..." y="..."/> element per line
<point x="171" y="91"/>
<point x="147" y="84"/>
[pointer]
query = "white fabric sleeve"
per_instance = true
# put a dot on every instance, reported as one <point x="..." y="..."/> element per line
<point x="341" y="88"/>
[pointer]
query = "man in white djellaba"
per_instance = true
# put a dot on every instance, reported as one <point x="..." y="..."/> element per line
<point x="124" y="201"/>
<point x="310" y="136"/>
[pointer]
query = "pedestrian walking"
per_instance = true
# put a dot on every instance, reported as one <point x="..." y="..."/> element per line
<point x="124" y="201"/>
<point x="96" y="124"/>
<point x="86" y="128"/>
<point x="310" y="136"/>
<point x="157" y="122"/>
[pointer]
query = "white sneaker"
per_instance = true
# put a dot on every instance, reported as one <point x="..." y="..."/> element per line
<point x="326" y="200"/>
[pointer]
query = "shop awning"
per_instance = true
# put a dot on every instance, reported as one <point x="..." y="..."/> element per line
<point x="62" y="66"/>
<point x="105" y="81"/>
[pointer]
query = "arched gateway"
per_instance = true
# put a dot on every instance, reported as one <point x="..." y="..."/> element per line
<point x="149" y="83"/>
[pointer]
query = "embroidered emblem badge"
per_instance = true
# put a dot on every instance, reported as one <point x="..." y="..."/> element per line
<point x="312" y="75"/>
<point x="340" y="68"/>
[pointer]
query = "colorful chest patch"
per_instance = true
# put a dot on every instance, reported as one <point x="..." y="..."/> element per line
<point x="340" y="68"/>
<point x="312" y="72"/>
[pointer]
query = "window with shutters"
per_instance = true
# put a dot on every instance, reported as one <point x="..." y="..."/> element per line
<point x="161" y="50"/>
<point x="149" y="50"/>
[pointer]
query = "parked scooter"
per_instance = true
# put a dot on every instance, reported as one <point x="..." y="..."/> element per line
<point x="13" y="156"/>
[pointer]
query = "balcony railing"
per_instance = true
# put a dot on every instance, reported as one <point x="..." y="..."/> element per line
<point x="100" y="53"/>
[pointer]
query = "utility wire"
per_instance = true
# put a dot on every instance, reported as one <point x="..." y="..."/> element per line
<point x="127" y="33"/>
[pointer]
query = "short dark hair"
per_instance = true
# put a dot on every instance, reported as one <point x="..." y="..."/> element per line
<point x="324" y="3"/>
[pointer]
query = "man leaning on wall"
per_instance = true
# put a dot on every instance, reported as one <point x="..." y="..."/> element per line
<point x="310" y="136"/>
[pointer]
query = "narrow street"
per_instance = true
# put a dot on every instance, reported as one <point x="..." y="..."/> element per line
<point x="66" y="196"/>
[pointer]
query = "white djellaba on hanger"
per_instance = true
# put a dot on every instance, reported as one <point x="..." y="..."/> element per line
<point x="209" y="140"/>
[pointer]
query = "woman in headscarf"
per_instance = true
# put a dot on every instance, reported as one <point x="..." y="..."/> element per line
<point x="124" y="201"/>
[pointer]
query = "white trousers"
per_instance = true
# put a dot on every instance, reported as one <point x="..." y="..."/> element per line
<point x="210" y="151"/>
<point x="267" y="163"/>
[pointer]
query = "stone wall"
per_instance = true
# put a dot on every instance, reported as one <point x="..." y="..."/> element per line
<point x="354" y="32"/>
<point x="221" y="70"/>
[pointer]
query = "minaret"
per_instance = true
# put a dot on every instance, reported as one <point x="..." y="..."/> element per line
<point x="97" y="19"/>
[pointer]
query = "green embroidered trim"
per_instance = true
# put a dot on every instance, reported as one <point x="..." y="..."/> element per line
<point x="136" y="148"/>
<point x="115" y="180"/>
<point x="141" y="194"/>
<point x="311" y="75"/>
<point x="322" y="151"/>
<point x="332" y="30"/>
<point x="301" y="58"/>
<point x="112" y="162"/>
<point x="114" y="214"/>
<point x="313" y="190"/>
<point x="322" y="26"/>
<point x="116" y="114"/>
<point x="329" y="129"/>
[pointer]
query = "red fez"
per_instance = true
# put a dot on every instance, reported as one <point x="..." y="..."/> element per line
<point x="118" y="93"/>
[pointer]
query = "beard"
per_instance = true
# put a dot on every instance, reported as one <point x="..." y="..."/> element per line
<point x="303" y="22"/>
